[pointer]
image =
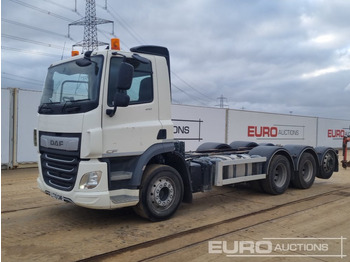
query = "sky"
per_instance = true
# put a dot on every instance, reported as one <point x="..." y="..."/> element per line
<point x="279" y="56"/>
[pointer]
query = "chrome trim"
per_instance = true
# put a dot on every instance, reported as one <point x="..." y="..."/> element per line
<point x="58" y="177"/>
<point x="59" y="169"/>
<point x="58" y="186"/>
<point x="59" y="160"/>
<point x="114" y="154"/>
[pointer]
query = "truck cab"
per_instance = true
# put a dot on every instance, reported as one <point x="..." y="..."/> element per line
<point x="102" y="117"/>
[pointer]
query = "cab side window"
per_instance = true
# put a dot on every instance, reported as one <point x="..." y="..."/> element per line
<point x="141" y="90"/>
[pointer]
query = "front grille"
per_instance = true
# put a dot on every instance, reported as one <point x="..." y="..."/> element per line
<point x="59" y="171"/>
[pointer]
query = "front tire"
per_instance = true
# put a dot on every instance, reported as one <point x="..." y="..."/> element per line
<point x="278" y="176"/>
<point x="161" y="193"/>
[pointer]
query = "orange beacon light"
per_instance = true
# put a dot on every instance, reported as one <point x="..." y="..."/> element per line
<point x="115" y="44"/>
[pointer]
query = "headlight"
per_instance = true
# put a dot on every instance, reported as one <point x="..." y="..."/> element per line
<point x="90" y="180"/>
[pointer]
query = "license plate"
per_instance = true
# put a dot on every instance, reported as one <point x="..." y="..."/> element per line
<point x="56" y="196"/>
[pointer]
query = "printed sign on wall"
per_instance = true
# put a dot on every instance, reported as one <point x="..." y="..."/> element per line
<point x="279" y="132"/>
<point x="187" y="129"/>
<point x="270" y="128"/>
<point x="196" y="125"/>
<point x="331" y="131"/>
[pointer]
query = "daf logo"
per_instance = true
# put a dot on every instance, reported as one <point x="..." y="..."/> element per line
<point x="56" y="143"/>
<point x="60" y="143"/>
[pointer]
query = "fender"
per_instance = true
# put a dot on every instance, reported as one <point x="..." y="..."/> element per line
<point x="133" y="166"/>
<point x="154" y="150"/>
<point x="243" y="145"/>
<point x="269" y="152"/>
<point x="171" y="158"/>
<point x="177" y="161"/>
<point x="213" y="147"/>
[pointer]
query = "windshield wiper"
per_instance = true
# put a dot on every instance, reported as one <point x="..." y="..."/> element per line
<point x="80" y="100"/>
<point x="70" y="106"/>
<point x="45" y="107"/>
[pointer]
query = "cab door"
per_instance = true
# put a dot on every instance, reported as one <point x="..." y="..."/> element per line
<point x="133" y="128"/>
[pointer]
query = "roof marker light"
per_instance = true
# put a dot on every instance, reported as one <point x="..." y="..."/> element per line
<point x="75" y="53"/>
<point x="115" y="44"/>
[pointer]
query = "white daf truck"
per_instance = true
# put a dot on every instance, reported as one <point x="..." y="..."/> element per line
<point x="105" y="140"/>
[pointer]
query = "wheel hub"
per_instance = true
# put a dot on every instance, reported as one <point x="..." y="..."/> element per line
<point x="280" y="175"/>
<point x="162" y="192"/>
<point x="307" y="170"/>
<point x="328" y="163"/>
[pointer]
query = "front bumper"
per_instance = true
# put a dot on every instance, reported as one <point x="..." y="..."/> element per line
<point x="97" y="198"/>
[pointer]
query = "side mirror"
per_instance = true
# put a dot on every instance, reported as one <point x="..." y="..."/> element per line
<point x="126" y="73"/>
<point x="121" y="99"/>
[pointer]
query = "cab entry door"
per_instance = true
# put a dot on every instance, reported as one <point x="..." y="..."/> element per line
<point x="133" y="128"/>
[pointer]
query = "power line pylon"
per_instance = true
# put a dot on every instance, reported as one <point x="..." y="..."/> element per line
<point x="222" y="101"/>
<point x="90" y="22"/>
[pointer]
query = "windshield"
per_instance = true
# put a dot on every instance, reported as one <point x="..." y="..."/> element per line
<point x="72" y="87"/>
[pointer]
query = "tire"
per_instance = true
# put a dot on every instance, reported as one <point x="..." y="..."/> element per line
<point x="328" y="165"/>
<point x="161" y="193"/>
<point x="278" y="176"/>
<point x="306" y="174"/>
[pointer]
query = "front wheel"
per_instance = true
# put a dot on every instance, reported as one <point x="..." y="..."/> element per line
<point x="278" y="176"/>
<point x="161" y="193"/>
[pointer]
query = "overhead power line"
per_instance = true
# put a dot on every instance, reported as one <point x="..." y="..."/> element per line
<point x="23" y="81"/>
<point x="189" y="95"/>
<point x="28" y="51"/>
<point x="22" y="78"/>
<point x="124" y="24"/>
<point x="60" y="5"/>
<point x="33" y="27"/>
<point x="190" y="86"/>
<point x="31" y="41"/>
<point x="42" y="10"/>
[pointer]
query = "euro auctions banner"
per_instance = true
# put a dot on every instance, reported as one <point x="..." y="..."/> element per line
<point x="331" y="132"/>
<point x="271" y="128"/>
<point x="286" y="132"/>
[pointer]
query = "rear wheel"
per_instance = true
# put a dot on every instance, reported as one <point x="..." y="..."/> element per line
<point x="328" y="165"/>
<point x="306" y="172"/>
<point x="161" y="193"/>
<point x="278" y="176"/>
